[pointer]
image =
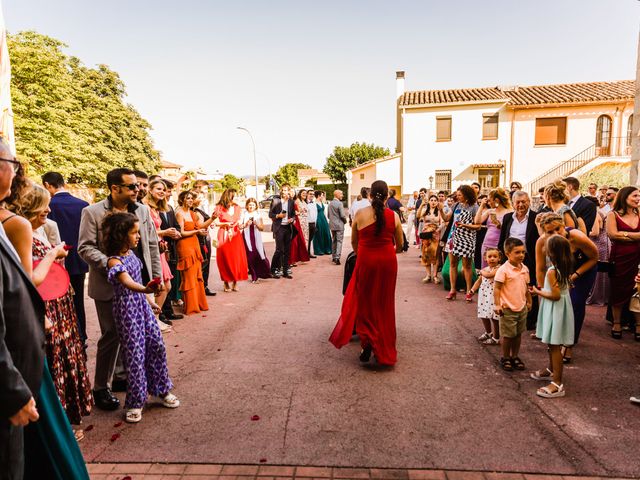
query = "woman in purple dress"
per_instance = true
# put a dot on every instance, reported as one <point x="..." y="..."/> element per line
<point x="600" y="292"/>
<point x="492" y="210"/>
<point x="252" y="226"/>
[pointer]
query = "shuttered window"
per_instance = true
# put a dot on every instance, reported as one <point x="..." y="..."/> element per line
<point x="490" y="126"/>
<point x="443" y="129"/>
<point x="443" y="180"/>
<point x="551" y="131"/>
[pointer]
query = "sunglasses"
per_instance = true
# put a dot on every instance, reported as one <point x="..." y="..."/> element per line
<point x="130" y="186"/>
<point x="14" y="163"/>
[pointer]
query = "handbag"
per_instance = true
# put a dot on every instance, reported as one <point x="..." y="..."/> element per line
<point x="426" y="235"/>
<point x="634" y="304"/>
<point x="606" y="267"/>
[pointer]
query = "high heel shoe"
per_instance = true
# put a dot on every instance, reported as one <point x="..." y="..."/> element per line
<point x="451" y="296"/>
<point x="365" y="354"/>
<point x="617" y="334"/>
<point x="469" y="296"/>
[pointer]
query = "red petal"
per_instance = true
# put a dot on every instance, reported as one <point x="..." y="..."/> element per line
<point x="219" y="349"/>
<point x="89" y="428"/>
<point x="176" y="346"/>
<point x="284" y="323"/>
<point x="116" y="425"/>
<point x="115" y="436"/>
<point x="181" y="351"/>
<point x="255" y="418"/>
<point x="126" y="478"/>
<point x="263" y="460"/>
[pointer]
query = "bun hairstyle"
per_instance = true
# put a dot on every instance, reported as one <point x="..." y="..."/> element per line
<point x="378" y="194"/>
<point x="557" y="191"/>
<point x="501" y="196"/>
<point x="549" y="217"/>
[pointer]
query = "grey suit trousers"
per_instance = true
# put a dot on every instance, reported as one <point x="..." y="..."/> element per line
<point x="108" y="359"/>
<point x="336" y="243"/>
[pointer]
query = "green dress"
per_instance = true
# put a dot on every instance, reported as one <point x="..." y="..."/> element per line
<point x="460" y="283"/>
<point x="322" y="238"/>
<point x="51" y="450"/>
<point x="555" y="318"/>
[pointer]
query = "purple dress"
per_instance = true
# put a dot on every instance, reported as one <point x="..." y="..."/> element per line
<point x="144" y="354"/>
<point x="601" y="288"/>
<point x="492" y="236"/>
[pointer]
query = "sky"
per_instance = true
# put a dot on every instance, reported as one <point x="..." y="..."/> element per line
<point x="304" y="76"/>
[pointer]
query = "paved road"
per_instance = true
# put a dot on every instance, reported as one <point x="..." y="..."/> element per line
<point x="446" y="404"/>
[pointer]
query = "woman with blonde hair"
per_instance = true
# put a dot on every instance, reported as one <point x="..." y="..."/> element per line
<point x="492" y="210"/>
<point x="557" y="199"/>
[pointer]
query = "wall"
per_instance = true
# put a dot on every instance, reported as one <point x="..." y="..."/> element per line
<point x="423" y="155"/>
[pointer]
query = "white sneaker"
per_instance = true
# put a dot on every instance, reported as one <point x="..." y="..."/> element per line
<point x="426" y="279"/>
<point x="164" y="328"/>
<point x="484" y="336"/>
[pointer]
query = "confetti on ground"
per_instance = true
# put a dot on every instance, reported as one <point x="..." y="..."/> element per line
<point x="255" y="418"/>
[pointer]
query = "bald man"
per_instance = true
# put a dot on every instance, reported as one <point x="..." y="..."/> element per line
<point x="337" y="220"/>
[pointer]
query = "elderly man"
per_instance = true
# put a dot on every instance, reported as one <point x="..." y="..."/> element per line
<point x="21" y="341"/>
<point x="337" y="220"/>
<point x="123" y="188"/>
<point x="521" y="224"/>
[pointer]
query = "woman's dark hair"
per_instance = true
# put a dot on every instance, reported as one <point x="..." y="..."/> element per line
<point x="115" y="229"/>
<point x="379" y="193"/>
<point x="299" y="196"/>
<point x="468" y="193"/>
<point x="225" y="198"/>
<point x="20" y="185"/>
<point x="559" y="252"/>
<point x="436" y="210"/>
<point x="392" y="192"/>
<point x="183" y="197"/>
<point x="620" y="203"/>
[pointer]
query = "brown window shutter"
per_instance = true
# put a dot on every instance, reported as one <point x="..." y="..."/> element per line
<point x="490" y="126"/>
<point x="443" y="129"/>
<point x="551" y="131"/>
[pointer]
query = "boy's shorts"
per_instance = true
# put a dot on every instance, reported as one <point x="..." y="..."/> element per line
<point x="513" y="323"/>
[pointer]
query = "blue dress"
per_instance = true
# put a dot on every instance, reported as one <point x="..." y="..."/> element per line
<point x="555" y="318"/>
<point x="144" y="354"/>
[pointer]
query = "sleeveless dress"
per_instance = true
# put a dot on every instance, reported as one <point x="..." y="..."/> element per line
<point x="369" y="302"/>
<point x="299" y="252"/>
<point x="625" y="256"/>
<point x="601" y="288"/>
<point x="304" y="218"/>
<point x="556" y="325"/>
<point x="65" y="355"/>
<point x="492" y="237"/>
<point x="322" y="238"/>
<point x="462" y="241"/>
<point x="231" y="256"/>
<point x="485" y="300"/>
<point x="190" y="268"/>
<point x="166" y="270"/>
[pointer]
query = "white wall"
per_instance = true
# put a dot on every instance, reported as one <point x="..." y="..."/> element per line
<point x="389" y="171"/>
<point x="422" y="155"/>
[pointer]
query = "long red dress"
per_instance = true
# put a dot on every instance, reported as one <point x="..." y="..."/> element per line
<point x="231" y="256"/>
<point x="190" y="268"/>
<point x="299" y="252"/>
<point x="625" y="256"/>
<point x="369" y="301"/>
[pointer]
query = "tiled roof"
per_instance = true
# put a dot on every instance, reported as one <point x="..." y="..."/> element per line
<point x="168" y="164"/>
<point x="592" y="92"/>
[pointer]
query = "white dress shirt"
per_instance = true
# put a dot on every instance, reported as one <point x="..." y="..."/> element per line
<point x="519" y="228"/>
<point x="357" y="205"/>
<point x="573" y="201"/>
<point x="312" y="212"/>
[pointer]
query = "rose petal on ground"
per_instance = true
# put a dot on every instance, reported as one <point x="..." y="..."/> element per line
<point x="118" y="424"/>
<point x="181" y="351"/>
<point x="89" y="428"/>
<point x="128" y="477"/>
<point x="263" y="460"/>
<point x="255" y="418"/>
<point x="284" y="323"/>
<point x="115" y="436"/>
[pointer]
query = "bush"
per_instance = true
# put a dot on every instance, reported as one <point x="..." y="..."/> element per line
<point x="610" y="173"/>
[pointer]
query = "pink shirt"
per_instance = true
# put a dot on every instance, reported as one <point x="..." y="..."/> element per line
<point x="515" y="283"/>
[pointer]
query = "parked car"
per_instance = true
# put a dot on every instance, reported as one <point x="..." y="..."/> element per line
<point x="266" y="203"/>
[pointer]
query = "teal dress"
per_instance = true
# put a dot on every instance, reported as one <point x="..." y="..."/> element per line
<point x="322" y="238"/>
<point x="555" y="318"/>
<point x="51" y="450"/>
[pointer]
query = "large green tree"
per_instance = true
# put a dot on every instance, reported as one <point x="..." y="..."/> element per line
<point x="344" y="158"/>
<point x="231" y="181"/>
<point x="288" y="173"/>
<point x="71" y="118"/>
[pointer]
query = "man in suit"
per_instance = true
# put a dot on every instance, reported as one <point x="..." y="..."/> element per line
<point x="282" y="214"/>
<point x="66" y="211"/>
<point x="21" y="341"/>
<point x="337" y="220"/>
<point x="123" y="188"/>
<point x="582" y="207"/>
<point x="521" y="224"/>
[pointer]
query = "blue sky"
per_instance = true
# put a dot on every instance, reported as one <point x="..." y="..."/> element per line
<point x="305" y="76"/>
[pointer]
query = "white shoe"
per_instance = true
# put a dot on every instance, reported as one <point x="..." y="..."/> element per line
<point x="426" y="279"/>
<point x="164" y="328"/>
<point x="635" y="400"/>
<point x="170" y="401"/>
<point x="133" y="415"/>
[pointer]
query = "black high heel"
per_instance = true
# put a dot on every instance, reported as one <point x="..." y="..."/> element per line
<point x="365" y="354"/>
<point x="616" y="334"/>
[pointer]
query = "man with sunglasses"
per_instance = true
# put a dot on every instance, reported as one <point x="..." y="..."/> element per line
<point x="123" y="188"/>
<point x="21" y="341"/>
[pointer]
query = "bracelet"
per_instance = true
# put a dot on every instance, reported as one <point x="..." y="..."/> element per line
<point x="577" y="273"/>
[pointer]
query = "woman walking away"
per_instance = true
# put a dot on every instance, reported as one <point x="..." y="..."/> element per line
<point x="143" y="349"/>
<point x="322" y="238"/>
<point x="555" y="316"/>
<point x="369" y="302"/>
<point x="252" y="226"/>
<point x="230" y="256"/>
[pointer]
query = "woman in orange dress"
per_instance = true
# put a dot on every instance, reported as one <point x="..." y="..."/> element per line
<point x="189" y="255"/>
<point x="231" y="256"/>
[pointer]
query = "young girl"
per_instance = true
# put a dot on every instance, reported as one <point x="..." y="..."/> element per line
<point x="143" y="350"/>
<point x="555" y="317"/>
<point x="429" y="218"/>
<point x="484" y="284"/>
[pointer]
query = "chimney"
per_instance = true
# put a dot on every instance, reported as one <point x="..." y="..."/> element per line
<point x="399" y="83"/>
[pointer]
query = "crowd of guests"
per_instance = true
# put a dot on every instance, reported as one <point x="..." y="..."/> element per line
<point x="534" y="266"/>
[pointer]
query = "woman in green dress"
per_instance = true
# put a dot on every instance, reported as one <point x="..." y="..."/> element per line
<point x="322" y="238"/>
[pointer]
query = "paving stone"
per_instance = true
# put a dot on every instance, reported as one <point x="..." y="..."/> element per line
<point x="503" y="476"/>
<point x="203" y="470"/>
<point x="100" y="468"/>
<point x="454" y="475"/>
<point x="275" y="471"/>
<point x="130" y="468"/>
<point x="240" y="470"/>
<point x="427" y="475"/>
<point x="351" y="473"/>
<point x="387" y="473"/>
<point x="318" y="472"/>
<point x="167" y="468"/>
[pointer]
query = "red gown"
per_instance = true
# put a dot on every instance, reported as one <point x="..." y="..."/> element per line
<point x="369" y="301"/>
<point x="231" y="256"/>
<point x="299" y="252"/>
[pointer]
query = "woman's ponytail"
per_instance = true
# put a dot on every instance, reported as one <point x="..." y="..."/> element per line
<point x="379" y="193"/>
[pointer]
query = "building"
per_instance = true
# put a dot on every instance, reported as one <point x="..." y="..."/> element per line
<point x="496" y="135"/>
<point x="311" y="174"/>
<point x="386" y="168"/>
<point x="170" y="171"/>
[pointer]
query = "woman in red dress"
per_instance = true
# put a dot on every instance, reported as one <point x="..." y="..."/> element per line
<point x="230" y="256"/>
<point x="369" y="301"/>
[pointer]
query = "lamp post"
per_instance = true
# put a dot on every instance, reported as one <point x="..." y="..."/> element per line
<point x="268" y="167"/>
<point x="431" y="182"/>
<point x="255" y="164"/>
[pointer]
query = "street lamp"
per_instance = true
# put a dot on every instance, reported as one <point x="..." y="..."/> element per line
<point x="431" y="182"/>
<point x="255" y="165"/>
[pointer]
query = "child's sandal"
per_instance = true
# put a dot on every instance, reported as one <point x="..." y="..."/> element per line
<point x="506" y="364"/>
<point x="170" y="401"/>
<point x="491" y="341"/>
<point x="133" y="415"/>
<point x="545" y="374"/>
<point x="546" y="392"/>
<point x="517" y="363"/>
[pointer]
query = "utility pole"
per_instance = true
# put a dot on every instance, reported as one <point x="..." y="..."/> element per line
<point x="635" y="140"/>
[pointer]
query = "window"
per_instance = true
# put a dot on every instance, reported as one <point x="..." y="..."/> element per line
<point x="551" y="131"/>
<point x="362" y="176"/>
<point x="443" y="129"/>
<point x="490" y="126"/>
<point x="489" y="177"/>
<point x="603" y="135"/>
<point x="630" y="130"/>
<point x="443" y="180"/>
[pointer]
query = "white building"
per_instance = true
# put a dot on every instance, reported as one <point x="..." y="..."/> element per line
<point x="497" y="135"/>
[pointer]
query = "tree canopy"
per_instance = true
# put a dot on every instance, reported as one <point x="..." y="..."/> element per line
<point x="288" y="173"/>
<point x="345" y="158"/>
<point x="71" y="118"/>
<point x="231" y="181"/>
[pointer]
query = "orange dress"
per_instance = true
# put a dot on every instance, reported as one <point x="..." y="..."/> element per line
<point x="190" y="268"/>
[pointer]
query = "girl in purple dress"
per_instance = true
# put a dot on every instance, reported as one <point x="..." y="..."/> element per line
<point x="142" y="346"/>
<point x="252" y="226"/>
<point x="492" y="210"/>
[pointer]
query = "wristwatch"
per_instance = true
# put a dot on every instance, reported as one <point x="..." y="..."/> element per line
<point x="625" y="234"/>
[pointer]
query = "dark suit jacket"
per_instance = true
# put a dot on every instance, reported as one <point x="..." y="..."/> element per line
<point x="276" y="208"/>
<point x="66" y="211"/>
<point x="168" y="220"/>
<point x="530" y="240"/>
<point x="21" y="335"/>
<point x="586" y="210"/>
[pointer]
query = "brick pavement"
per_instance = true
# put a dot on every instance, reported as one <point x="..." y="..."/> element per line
<point x="177" y="471"/>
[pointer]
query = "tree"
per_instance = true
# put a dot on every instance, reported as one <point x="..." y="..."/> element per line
<point x="345" y="158"/>
<point x="288" y="173"/>
<point x="71" y="118"/>
<point x="231" y="181"/>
